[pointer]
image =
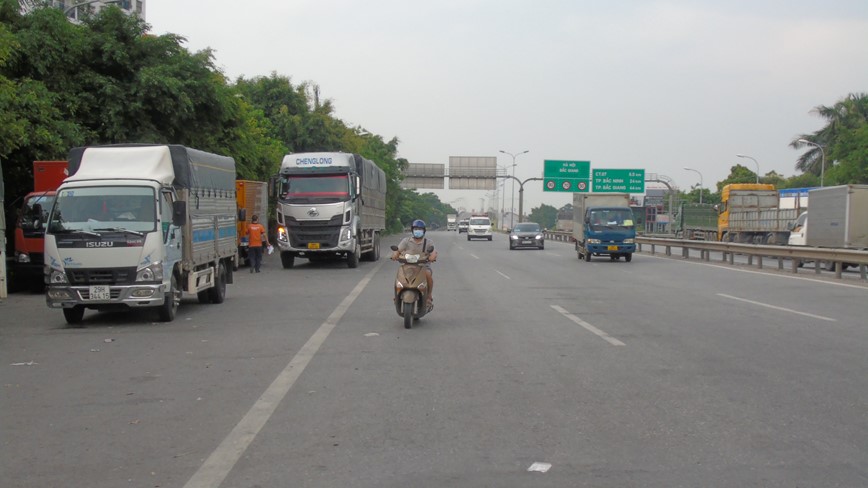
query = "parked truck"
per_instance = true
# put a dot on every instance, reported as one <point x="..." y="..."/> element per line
<point x="750" y="213"/>
<point x="136" y="226"/>
<point x="251" y="197"/>
<point x="695" y="221"/>
<point x="603" y="225"/>
<point x="30" y="225"/>
<point x="329" y="204"/>
<point x="451" y="222"/>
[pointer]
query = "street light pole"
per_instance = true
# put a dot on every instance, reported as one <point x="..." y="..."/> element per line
<point x="89" y="2"/>
<point x="822" y="158"/>
<point x="512" y="198"/>
<point x="700" y="182"/>
<point x="754" y="160"/>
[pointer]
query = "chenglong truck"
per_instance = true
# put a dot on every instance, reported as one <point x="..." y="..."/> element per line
<point x="329" y="204"/>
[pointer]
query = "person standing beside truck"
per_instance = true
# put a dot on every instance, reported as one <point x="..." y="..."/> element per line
<point x="256" y="234"/>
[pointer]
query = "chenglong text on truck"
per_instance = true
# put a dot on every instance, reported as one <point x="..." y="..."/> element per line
<point x="135" y="226"/>
<point x="329" y="204"/>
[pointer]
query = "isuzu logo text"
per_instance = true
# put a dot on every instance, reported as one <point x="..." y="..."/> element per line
<point x="101" y="244"/>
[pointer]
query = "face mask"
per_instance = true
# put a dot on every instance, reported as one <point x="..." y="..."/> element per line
<point x="418" y="233"/>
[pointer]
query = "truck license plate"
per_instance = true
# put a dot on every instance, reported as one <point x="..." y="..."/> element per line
<point x="313" y="245"/>
<point x="100" y="292"/>
<point x="612" y="248"/>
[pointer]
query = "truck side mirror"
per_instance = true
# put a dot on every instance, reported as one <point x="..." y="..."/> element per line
<point x="179" y="213"/>
<point x="272" y="188"/>
<point x="242" y="214"/>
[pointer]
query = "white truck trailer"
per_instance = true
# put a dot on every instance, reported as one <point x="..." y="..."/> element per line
<point x="135" y="226"/>
<point x="329" y="204"/>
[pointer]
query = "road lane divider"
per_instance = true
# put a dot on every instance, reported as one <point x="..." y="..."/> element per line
<point x="606" y="337"/>
<point x="501" y="274"/>
<point x="761" y="304"/>
<point x="220" y="463"/>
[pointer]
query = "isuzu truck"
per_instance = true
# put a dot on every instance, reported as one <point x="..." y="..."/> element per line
<point x="136" y="226"/>
<point x="329" y="204"/>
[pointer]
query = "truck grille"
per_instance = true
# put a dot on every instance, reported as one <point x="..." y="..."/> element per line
<point x="102" y="276"/>
<point x="323" y="232"/>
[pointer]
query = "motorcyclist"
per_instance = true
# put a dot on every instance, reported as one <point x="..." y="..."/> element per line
<point x="418" y="244"/>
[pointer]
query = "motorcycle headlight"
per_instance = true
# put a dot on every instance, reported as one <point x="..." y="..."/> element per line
<point x="57" y="277"/>
<point x="629" y="241"/>
<point x="150" y="273"/>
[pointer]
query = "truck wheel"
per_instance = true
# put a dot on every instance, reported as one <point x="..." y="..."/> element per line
<point x="167" y="311"/>
<point x="375" y="256"/>
<point x="587" y="255"/>
<point x="287" y="259"/>
<point x="353" y="257"/>
<point x="74" y="315"/>
<point x="218" y="292"/>
<point x="628" y="257"/>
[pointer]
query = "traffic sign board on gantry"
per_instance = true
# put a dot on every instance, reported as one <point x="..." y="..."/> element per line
<point x="619" y="181"/>
<point x="566" y="176"/>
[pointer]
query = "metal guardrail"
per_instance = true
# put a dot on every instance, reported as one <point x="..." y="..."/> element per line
<point x="756" y="254"/>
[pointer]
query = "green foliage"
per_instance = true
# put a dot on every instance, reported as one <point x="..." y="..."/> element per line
<point x="545" y="215"/>
<point x="738" y="174"/>
<point x="844" y="142"/>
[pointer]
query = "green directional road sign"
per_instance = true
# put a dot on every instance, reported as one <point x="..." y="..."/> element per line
<point x="619" y="181"/>
<point x="567" y="176"/>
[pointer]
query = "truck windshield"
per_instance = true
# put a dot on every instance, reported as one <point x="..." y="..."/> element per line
<point x="611" y="218"/>
<point x="314" y="189"/>
<point x="104" y="209"/>
<point x="34" y="212"/>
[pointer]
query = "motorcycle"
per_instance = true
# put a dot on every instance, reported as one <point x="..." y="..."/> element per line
<point x="411" y="287"/>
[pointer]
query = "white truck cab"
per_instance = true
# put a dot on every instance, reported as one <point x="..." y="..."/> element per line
<point x="797" y="233"/>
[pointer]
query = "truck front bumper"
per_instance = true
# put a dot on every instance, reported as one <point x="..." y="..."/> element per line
<point x="611" y="248"/>
<point x="131" y="296"/>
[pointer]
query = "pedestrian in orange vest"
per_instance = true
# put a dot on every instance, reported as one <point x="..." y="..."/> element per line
<point x="256" y="235"/>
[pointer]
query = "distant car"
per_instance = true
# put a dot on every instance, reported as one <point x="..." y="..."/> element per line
<point x="463" y="225"/>
<point x="479" y="227"/>
<point x="526" y="234"/>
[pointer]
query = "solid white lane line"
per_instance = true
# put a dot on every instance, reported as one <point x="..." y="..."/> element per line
<point x="606" y="337"/>
<point x="474" y="256"/>
<point x="777" y="308"/>
<point x="501" y="274"/>
<point x="218" y="465"/>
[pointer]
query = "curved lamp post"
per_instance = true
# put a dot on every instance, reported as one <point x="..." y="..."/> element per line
<point x="822" y="158"/>
<point x="90" y="2"/>
<point x="700" y="182"/>
<point x="754" y="160"/>
<point x="512" y="198"/>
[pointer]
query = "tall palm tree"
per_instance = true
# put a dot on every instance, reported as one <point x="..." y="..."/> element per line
<point x="847" y="114"/>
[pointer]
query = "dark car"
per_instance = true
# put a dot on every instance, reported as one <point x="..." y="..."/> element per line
<point x="526" y="234"/>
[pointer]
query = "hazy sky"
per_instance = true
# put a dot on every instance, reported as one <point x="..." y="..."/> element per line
<point x="658" y="85"/>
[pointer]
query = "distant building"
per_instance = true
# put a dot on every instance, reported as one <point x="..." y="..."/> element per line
<point x="74" y="9"/>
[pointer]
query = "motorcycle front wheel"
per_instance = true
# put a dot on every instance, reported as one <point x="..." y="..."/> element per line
<point x="408" y="315"/>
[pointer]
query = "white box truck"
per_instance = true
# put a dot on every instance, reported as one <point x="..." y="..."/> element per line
<point x="329" y="204"/>
<point x="135" y="226"/>
<point x="838" y="217"/>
